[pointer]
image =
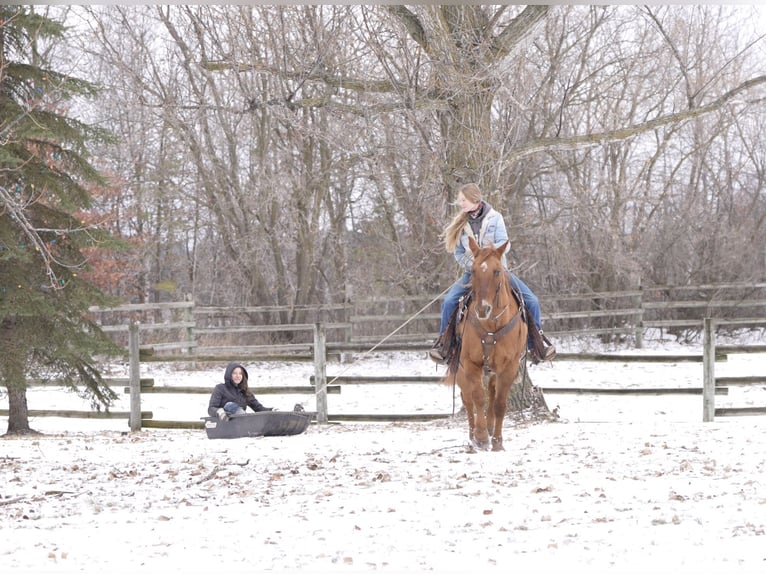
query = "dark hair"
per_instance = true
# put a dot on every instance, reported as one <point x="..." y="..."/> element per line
<point x="245" y="389"/>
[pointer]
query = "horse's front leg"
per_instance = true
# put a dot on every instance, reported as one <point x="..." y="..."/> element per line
<point x="498" y="409"/>
<point x="469" y="379"/>
<point x="465" y="397"/>
<point x="491" y="416"/>
<point x="479" y="399"/>
<point x="499" y="406"/>
<point x="468" y="405"/>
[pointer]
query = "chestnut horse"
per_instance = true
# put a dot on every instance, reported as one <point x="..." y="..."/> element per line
<point x="493" y="342"/>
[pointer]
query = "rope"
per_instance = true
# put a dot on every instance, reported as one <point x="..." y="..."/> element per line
<point x="392" y="333"/>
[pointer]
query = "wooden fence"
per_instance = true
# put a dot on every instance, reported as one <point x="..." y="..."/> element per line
<point x="712" y="385"/>
<point x="182" y="330"/>
<point x="319" y="386"/>
<point x="166" y="336"/>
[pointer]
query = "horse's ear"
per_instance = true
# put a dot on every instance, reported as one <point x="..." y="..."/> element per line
<point x="473" y="245"/>
<point x="500" y="250"/>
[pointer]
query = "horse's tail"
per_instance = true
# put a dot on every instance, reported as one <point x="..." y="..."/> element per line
<point x="450" y="377"/>
<point x="452" y="339"/>
<point x="453" y="358"/>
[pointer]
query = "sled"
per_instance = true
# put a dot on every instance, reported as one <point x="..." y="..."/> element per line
<point x="266" y="423"/>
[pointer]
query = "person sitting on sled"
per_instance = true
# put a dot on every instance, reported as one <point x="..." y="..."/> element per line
<point x="479" y="220"/>
<point x="233" y="396"/>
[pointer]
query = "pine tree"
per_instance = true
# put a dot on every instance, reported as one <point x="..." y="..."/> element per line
<point x="45" y="331"/>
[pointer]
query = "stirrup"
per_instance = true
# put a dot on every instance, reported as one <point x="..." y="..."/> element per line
<point x="549" y="351"/>
<point x="549" y="354"/>
<point x="436" y="353"/>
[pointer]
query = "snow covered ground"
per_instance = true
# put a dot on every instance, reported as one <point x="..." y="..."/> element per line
<point x="621" y="484"/>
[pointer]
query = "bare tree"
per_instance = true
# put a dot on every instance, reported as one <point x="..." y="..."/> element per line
<point x="313" y="150"/>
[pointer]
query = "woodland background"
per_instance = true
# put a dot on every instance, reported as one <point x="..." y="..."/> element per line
<point x="305" y="154"/>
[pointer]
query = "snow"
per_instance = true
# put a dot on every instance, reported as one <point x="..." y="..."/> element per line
<point x="620" y="484"/>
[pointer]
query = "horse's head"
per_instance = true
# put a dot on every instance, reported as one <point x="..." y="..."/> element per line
<point x="487" y="277"/>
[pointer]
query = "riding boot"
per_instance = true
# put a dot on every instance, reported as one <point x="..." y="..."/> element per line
<point x="436" y="353"/>
<point x="444" y="346"/>
<point x="542" y="349"/>
<point x="549" y="353"/>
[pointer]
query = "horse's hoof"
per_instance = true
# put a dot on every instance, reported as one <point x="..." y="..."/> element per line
<point x="497" y="445"/>
<point x="481" y="444"/>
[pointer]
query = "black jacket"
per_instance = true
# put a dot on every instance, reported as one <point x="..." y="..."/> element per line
<point x="227" y="392"/>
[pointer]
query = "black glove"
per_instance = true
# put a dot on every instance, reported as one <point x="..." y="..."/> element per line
<point x="222" y="414"/>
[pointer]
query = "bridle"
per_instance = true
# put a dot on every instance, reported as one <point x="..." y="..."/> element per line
<point x="490" y="338"/>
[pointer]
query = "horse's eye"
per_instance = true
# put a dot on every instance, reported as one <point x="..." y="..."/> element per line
<point x="497" y="273"/>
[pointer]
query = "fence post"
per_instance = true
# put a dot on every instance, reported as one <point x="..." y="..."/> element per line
<point x="189" y="317"/>
<point x="135" y="377"/>
<point x="640" y="322"/>
<point x="320" y="371"/>
<point x="348" y="313"/>
<point x="708" y="370"/>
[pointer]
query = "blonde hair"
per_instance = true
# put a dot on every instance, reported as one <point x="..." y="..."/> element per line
<point x="454" y="230"/>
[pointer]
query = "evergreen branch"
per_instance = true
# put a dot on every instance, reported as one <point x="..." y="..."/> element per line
<point x="17" y="211"/>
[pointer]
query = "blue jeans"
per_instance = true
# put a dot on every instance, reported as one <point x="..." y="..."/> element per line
<point x="233" y="408"/>
<point x="463" y="284"/>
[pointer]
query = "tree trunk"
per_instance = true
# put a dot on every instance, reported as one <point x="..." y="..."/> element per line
<point x="12" y="375"/>
<point x="18" y="413"/>
<point x="466" y="129"/>
<point x="527" y="400"/>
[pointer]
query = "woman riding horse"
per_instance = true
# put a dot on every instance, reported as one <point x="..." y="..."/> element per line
<point x="493" y="344"/>
<point x="479" y="220"/>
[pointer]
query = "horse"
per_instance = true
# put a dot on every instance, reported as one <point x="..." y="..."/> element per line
<point x="493" y="343"/>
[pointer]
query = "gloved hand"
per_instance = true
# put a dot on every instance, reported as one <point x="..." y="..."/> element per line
<point x="222" y="414"/>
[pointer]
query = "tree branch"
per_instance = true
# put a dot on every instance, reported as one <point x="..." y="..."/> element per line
<point x="412" y="24"/>
<point x="580" y="141"/>
<point x="333" y="81"/>
<point x="520" y="27"/>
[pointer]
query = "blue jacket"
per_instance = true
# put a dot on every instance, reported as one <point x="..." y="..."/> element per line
<point x="492" y="231"/>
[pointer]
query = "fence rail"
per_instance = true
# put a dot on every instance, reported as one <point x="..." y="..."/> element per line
<point x="200" y="334"/>
<point x="180" y="330"/>
<point x="146" y="386"/>
<point x="711" y="383"/>
<point x="334" y="386"/>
